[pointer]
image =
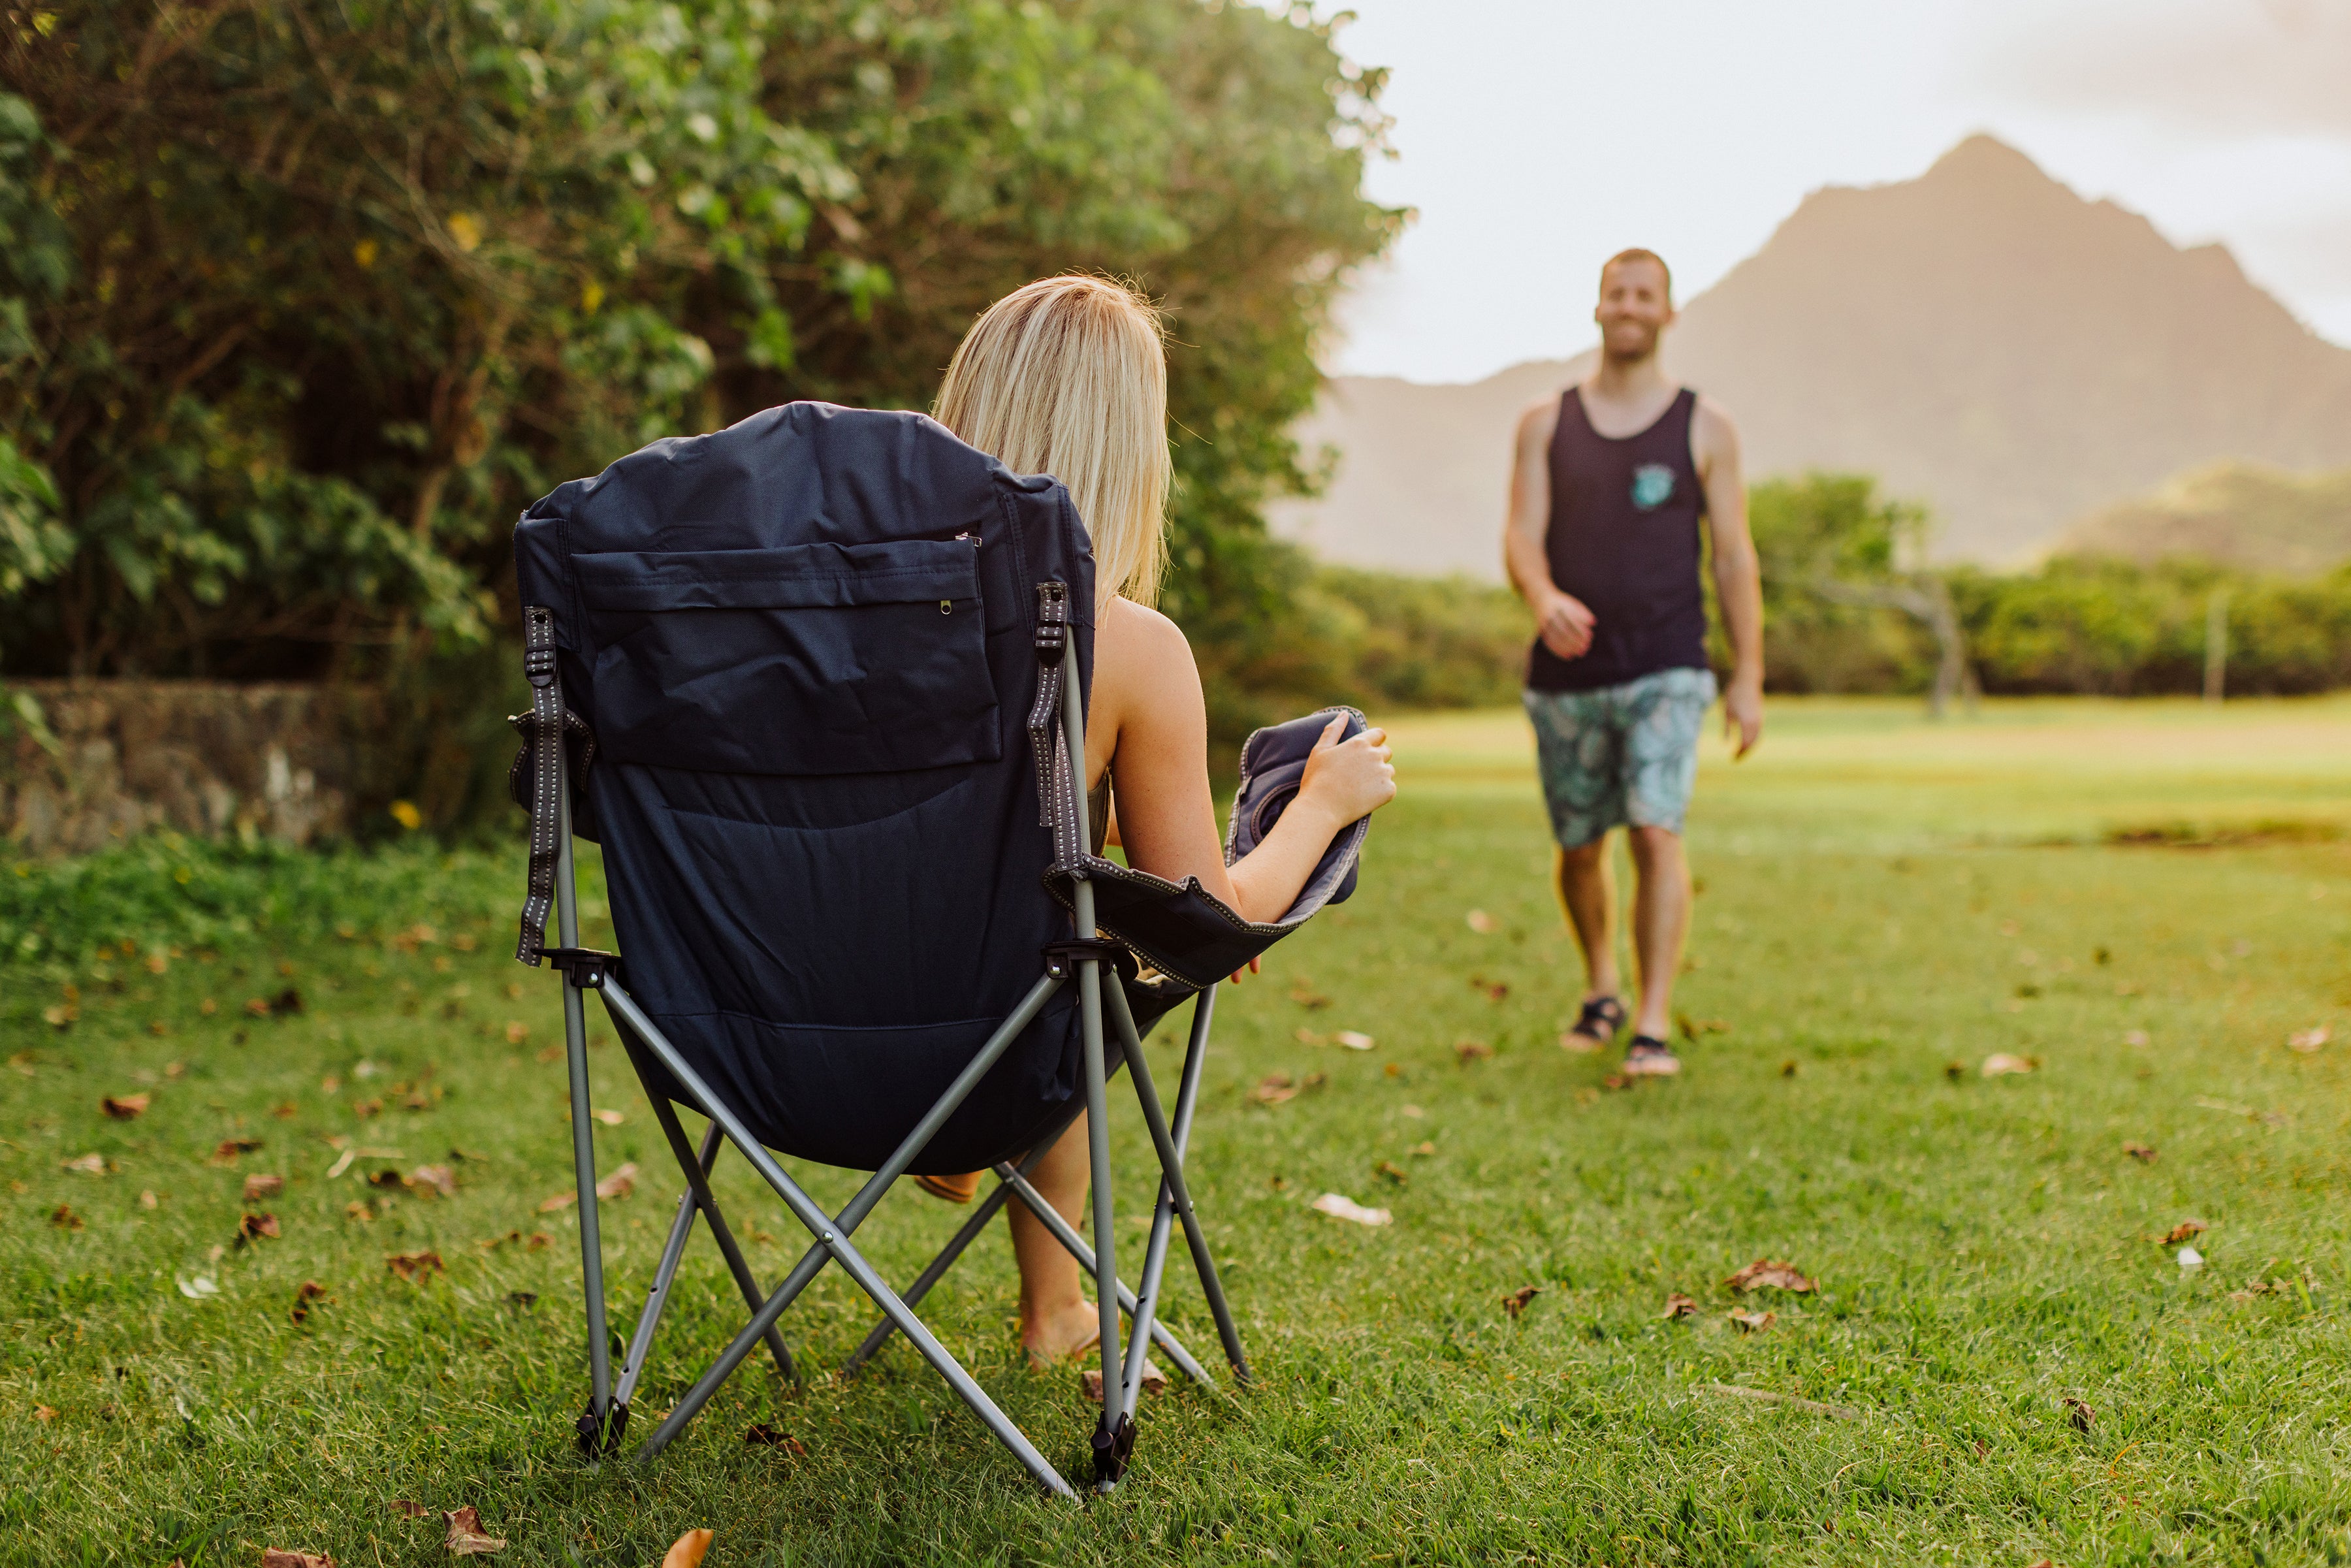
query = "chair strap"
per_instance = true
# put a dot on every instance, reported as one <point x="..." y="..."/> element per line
<point x="1049" y="741"/>
<point x="545" y="741"/>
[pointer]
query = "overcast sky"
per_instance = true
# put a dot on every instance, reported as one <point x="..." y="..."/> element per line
<point x="1537" y="137"/>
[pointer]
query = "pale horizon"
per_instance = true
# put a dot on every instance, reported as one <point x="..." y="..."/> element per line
<point x="1532" y="148"/>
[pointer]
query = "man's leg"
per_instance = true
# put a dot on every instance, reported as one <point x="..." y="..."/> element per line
<point x="1579" y="753"/>
<point x="1661" y="769"/>
<point x="1587" y="891"/>
<point x="1661" y="912"/>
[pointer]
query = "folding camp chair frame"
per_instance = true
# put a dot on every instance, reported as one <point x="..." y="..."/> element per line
<point x="1082" y="961"/>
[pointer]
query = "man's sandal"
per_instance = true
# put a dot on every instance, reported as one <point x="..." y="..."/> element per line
<point x="1595" y="1026"/>
<point x="1649" y="1057"/>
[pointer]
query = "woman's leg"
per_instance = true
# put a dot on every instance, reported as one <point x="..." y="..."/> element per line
<point x="1055" y="1318"/>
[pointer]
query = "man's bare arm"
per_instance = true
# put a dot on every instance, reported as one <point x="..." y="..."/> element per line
<point x="1563" y="620"/>
<point x="1738" y="581"/>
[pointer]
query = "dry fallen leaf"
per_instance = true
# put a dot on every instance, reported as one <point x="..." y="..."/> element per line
<point x="1468" y="1050"/>
<point x="45" y="1412"/>
<point x="560" y="1200"/>
<point x="1680" y="1306"/>
<point x="1483" y="923"/>
<point x="1495" y="989"/>
<point x="1954" y="1071"/>
<point x="610" y="1118"/>
<point x="1274" y="1089"/>
<point x="414" y="1265"/>
<point x="687" y="1551"/>
<point x="2309" y="1040"/>
<point x="1753" y="1322"/>
<point x="758" y="1434"/>
<point x="435" y="1178"/>
<point x="277" y="1558"/>
<point x="1305" y="1036"/>
<point x="91" y="1164"/>
<point x="2001" y="1062"/>
<point x="1516" y="1301"/>
<point x="65" y="1218"/>
<point x="311" y="1290"/>
<point x="517" y="1032"/>
<point x="258" y="1186"/>
<point x="1769" y="1274"/>
<point x="466" y="1537"/>
<point x="1307" y="996"/>
<point x="1788" y="1068"/>
<point x="2142" y="1153"/>
<point x="407" y="1510"/>
<point x="230" y="1149"/>
<point x="1615" y="1080"/>
<point x="1354" y="1040"/>
<point x="619" y="1185"/>
<point x="125" y="1107"/>
<point x="2183" y="1231"/>
<point x="1338" y="1207"/>
<point x="1425" y="1147"/>
<point x="149" y="1200"/>
<point x="254" y="1226"/>
<point x="199" y="1288"/>
<point x="1388" y="1170"/>
<point x="1154" y="1380"/>
<point x="2079" y="1415"/>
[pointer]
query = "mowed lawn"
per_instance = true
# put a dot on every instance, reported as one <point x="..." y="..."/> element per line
<point x="1886" y="904"/>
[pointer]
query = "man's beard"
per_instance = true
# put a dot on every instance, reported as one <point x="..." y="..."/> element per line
<point x="1629" y="347"/>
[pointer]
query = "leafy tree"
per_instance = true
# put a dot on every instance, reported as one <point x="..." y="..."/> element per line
<point x="1835" y="555"/>
<point x="320" y="294"/>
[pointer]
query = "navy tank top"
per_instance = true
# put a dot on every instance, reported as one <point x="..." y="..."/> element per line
<point x="1623" y="539"/>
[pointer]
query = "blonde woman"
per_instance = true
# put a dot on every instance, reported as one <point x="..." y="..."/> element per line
<point x="1069" y="377"/>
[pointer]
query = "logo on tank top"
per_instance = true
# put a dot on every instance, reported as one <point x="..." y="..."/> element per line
<point x="1652" y="485"/>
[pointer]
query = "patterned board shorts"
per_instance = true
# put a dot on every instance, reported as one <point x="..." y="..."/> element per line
<point x="1620" y="754"/>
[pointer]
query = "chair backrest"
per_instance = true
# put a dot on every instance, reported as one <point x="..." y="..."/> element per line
<point x="805" y="646"/>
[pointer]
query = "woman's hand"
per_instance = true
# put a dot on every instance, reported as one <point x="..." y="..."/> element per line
<point x="1347" y="779"/>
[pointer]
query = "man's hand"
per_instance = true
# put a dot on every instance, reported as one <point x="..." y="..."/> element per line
<point x="1565" y="624"/>
<point x="1742" y="713"/>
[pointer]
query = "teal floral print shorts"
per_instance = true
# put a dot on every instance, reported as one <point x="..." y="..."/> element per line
<point x="1620" y="754"/>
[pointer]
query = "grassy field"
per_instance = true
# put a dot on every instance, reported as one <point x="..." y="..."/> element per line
<point x="1884" y="904"/>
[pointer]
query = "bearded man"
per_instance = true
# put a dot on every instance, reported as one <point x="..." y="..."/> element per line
<point x="1611" y="485"/>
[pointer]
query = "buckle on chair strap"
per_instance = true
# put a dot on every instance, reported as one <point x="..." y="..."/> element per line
<point x="1062" y="958"/>
<point x="584" y="968"/>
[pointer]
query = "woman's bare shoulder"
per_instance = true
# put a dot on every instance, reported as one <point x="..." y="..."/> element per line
<point x="1142" y="662"/>
<point x="1137" y="635"/>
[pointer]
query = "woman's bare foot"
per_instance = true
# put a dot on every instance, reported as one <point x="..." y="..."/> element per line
<point x="1053" y="1336"/>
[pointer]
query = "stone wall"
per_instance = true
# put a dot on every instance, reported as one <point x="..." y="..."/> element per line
<point x="200" y="757"/>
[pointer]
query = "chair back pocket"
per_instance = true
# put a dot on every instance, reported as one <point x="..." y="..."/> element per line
<point x="807" y="659"/>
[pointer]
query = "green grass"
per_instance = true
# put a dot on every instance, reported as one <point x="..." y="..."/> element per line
<point x="1881" y="898"/>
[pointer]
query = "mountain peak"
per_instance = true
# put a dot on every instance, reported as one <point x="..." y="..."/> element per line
<point x="1985" y="157"/>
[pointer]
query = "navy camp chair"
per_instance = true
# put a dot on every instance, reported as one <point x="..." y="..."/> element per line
<point x="820" y="680"/>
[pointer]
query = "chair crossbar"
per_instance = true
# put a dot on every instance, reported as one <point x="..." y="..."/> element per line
<point x="696" y="1199"/>
<point x="1155" y="1253"/>
<point x="832" y="1233"/>
<point x="1171" y="1166"/>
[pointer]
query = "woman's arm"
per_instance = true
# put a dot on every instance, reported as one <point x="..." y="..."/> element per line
<point x="1148" y="715"/>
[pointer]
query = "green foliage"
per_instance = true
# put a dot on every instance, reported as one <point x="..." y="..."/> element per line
<point x="323" y="294"/>
<point x="2111" y="628"/>
<point x="163" y="890"/>
<point x="2082" y="624"/>
<point x="1816" y="534"/>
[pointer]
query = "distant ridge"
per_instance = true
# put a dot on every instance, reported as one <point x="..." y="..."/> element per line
<point x="1980" y="338"/>
<point x="2235" y="513"/>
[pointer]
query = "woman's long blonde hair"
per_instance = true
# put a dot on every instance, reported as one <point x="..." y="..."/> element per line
<point x="1069" y="377"/>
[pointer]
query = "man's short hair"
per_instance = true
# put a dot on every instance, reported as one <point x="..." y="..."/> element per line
<point x="1637" y="254"/>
